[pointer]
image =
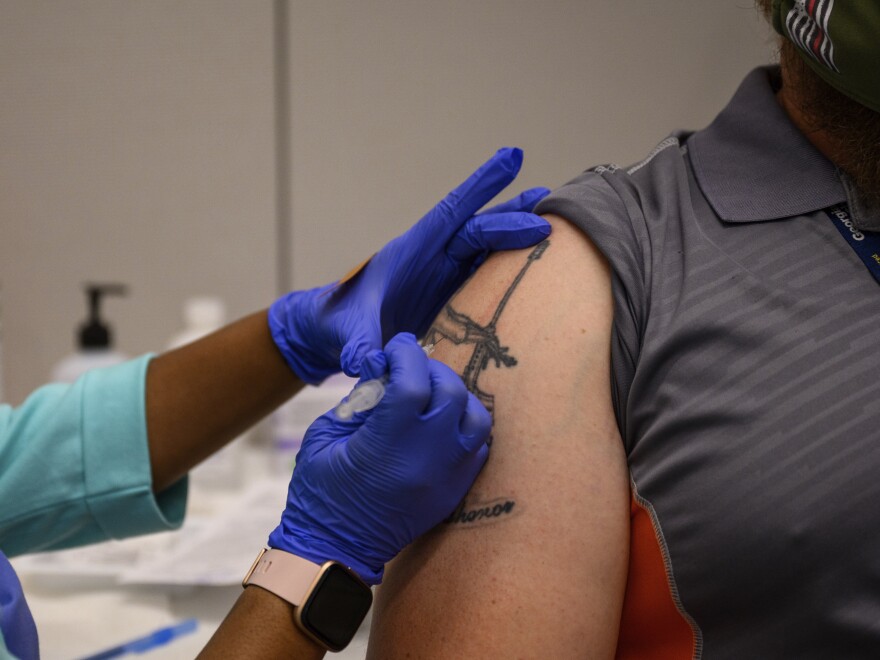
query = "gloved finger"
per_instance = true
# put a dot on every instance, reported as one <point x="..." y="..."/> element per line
<point x="369" y="338"/>
<point x="409" y="385"/>
<point x="477" y="461"/>
<point x="448" y="392"/>
<point x="374" y="365"/>
<point x="493" y="176"/>
<point x="475" y="425"/>
<point x="324" y="432"/>
<point x="497" y="231"/>
<point x="525" y="201"/>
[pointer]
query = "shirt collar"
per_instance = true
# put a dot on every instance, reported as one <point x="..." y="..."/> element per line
<point x="753" y="164"/>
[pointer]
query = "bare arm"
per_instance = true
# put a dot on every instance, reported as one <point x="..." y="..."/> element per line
<point x="201" y="396"/>
<point x="534" y="563"/>
<point x="260" y="625"/>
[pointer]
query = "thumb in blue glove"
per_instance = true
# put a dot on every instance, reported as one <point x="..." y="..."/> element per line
<point x="363" y="489"/>
<point x="404" y="286"/>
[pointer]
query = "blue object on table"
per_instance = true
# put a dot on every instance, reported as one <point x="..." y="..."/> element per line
<point x="146" y="643"/>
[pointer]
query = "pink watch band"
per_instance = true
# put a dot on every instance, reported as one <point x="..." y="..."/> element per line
<point x="287" y="576"/>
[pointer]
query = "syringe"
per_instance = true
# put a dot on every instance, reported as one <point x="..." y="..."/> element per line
<point x="367" y="395"/>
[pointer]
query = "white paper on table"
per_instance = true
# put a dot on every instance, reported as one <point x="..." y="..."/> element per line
<point x="102" y="560"/>
<point x="222" y="550"/>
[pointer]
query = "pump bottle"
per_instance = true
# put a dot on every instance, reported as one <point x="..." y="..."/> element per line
<point x="94" y="339"/>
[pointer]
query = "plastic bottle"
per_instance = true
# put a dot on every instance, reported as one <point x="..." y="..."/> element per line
<point x="94" y="339"/>
<point x="223" y="470"/>
<point x="202" y="315"/>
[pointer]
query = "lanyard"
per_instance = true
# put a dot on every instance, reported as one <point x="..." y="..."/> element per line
<point x="865" y="243"/>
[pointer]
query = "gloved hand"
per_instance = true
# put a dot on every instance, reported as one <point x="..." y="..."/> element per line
<point x="17" y="627"/>
<point x="406" y="284"/>
<point x="364" y="488"/>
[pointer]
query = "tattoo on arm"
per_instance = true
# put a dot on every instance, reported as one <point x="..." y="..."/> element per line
<point x="470" y="514"/>
<point x="461" y="329"/>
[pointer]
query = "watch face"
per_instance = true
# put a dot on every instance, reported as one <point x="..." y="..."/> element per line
<point x="336" y="607"/>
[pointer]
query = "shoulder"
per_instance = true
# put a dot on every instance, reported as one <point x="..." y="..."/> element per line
<point x="621" y="208"/>
<point x="608" y="192"/>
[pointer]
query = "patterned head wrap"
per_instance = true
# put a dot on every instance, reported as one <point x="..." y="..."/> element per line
<point x="839" y="39"/>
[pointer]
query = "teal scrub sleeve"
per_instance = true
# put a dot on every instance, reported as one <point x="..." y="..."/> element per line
<point x="5" y="653"/>
<point x="76" y="466"/>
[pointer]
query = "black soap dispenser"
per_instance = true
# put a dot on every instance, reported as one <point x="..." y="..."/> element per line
<point x="94" y="339"/>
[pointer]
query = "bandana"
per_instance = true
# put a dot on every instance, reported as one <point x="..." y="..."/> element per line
<point x="839" y="40"/>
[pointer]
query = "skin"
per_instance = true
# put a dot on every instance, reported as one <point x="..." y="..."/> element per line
<point x="534" y="564"/>
<point x="201" y="396"/>
<point x="791" y="100"/>
<point x="260" y="625"/>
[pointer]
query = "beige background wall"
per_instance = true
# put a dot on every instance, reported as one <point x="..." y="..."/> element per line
<point x="136" y="145"/>
<point x="137" y="137"/>
<point x="395" y="101"/>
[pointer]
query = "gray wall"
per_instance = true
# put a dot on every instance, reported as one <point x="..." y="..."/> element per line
<point x="137" y="137"/>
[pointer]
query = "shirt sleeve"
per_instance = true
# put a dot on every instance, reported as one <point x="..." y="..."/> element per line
<point x="76" y="465"/>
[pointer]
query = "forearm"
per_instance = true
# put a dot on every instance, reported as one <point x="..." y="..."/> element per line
<point x="201" y="396"/>
<point x="260" y="625"/>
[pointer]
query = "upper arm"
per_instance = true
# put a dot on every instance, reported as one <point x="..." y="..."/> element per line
<point x="534" y="564"/>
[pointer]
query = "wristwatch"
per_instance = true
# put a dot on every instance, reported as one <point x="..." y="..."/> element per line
<point x="330" y="600"/>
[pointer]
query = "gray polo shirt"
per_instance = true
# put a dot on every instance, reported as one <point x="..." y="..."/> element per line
<point x="746" y="383"/>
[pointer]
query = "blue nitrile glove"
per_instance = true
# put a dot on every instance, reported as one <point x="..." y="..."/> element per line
<point x="16" y="623"/>
<point x="364" y="488"/>
<point x="405" y="285"/>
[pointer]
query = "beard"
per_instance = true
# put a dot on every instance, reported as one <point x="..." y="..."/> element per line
<point x="852" y="128"/>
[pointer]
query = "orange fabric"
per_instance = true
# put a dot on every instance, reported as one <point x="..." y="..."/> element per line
<point x="651" y="626"/>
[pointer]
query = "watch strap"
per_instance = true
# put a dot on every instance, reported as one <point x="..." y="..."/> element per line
<point x="287" y="576"/>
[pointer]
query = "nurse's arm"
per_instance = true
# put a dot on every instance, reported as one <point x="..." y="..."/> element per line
<point x="201" y="396"/>
<point x="260" y="625"/>
<point x="534" y="563"/>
